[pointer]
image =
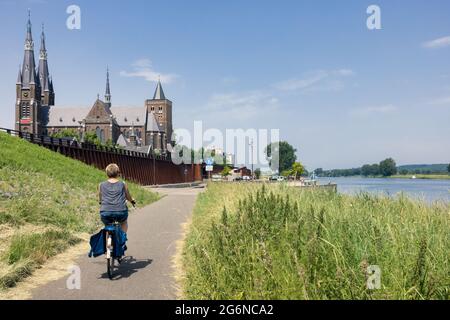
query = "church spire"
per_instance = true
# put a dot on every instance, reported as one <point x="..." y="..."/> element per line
<point x="29" y="37"/>
<point x="44" y="77"/>
<point x="108" y="90"/>
<point x="28" y="66"/>
<point x="43" y="52"/>
<point x="159" y="93"/>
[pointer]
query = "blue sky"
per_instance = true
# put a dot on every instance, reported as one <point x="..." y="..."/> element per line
<point x="343" y="95"/>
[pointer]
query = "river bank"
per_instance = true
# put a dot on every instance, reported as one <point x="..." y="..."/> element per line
<point x="421" y="176"/>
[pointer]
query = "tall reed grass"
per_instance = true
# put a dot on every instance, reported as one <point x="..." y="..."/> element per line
<point x="276" y="242"/>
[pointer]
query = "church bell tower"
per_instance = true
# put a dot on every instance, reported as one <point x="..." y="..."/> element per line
<point x="34" y="88"/>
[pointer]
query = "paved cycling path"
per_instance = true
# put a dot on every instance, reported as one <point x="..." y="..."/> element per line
<point x="147" y="272"/>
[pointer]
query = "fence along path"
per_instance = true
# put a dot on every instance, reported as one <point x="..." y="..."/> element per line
<point x="141" y="168"/>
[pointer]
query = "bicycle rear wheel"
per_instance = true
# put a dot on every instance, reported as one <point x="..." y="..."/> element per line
<point x="109" y="256"/>
<point x="110" y="267"/>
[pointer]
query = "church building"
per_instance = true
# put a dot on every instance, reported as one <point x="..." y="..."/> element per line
<point x="36" y="113"/>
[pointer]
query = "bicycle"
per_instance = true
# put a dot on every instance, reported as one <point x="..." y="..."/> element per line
<point x="111" y="230"/>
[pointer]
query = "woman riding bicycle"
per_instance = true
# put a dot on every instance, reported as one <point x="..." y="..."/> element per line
<point x="113" y="195"/>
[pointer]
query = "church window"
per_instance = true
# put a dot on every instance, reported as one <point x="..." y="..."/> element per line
<point x="25" y="110"/>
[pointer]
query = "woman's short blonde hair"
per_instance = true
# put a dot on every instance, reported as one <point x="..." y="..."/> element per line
<point x="112" y="170"/>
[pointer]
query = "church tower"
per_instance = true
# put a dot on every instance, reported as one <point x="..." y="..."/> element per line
<point x="28" y="90"/>
<point x="47" y="94"/>
<point x="161" y="109"/>
<point x="108" y="90"/>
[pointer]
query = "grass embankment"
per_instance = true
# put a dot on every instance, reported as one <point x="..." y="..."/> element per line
<point x="423" y="176"/>
<point x="276" y="242"/>
<point x="46" y="201"/>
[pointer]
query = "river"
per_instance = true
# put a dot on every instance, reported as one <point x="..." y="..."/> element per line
<point x="428" y="190"/>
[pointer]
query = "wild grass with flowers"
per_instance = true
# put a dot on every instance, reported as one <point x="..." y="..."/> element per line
<point x="248" y="241"/>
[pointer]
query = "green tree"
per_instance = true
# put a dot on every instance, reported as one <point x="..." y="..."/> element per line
<point x="66" y="133"/>
<point x="257" y="173"/>
<point x="448" y="168"/>
<point x="91" y="137"/>
<point x="388" y="167"/>
<point x="226" y="171"/>
<point x="375" y="169"/>
<point x="297" y="169"/>
<point x="365" y="170"/>
<point x="286" y="173"/>
<point x="305" y="173"/>
<point x="404" y="172"/>
<point x="282" y="152"/>
<point x="370" y="170"/>
<point x="319" y="172"/>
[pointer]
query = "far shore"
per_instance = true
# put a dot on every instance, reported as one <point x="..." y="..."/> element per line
<point x="407" y="176"/>
<point x="422" y="176"/>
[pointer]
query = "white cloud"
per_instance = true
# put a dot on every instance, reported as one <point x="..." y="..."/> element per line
<point x="303" y="83"/>
<point x="437" y="43"/>
<point x="241" y="105"/>
<point x="319" y="80"/>
<point x="374" y="110"/>
<point x="143" y="69"/>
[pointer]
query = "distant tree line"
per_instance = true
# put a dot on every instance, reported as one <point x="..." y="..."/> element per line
<point x="338" y="172"/>
<point x="385" y="168"/>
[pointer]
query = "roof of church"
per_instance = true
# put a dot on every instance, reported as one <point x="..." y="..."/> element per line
<point x="28" y="65"/>
<point x="126" y="116"/>
<point x="159" y="93"/>
<point x="108" y="89"/>
<point x="152" y="124"/>
<point x="43" y="73"/>
<point x="122" y="141"/>
<point x="99" y="111"/>
<point x="66" y="117"/>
